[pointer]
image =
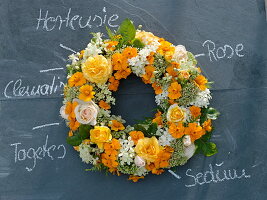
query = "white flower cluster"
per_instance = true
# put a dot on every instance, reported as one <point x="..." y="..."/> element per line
<point x="141" y="171"/>
<point x="166" y="138"/>
<point x="160" y="97"/>
<point x="85" y="154"/>
<point x="138" y="62"/>
<point x="94" y="47"/>
<point x="202" y="99"/>
<point x="126" y="153"/>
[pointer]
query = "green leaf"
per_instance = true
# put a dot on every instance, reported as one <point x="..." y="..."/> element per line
<point x="210" y="149"/>
<point x="212" y="113"/>
<point x="139" y="127"/>
<point x="75" y="140"/>
<point x="84" y="131"/>
<point x="127" y="30"/>
<point x="152" y="129"/>
<point x="192" y="58"/>
<point x="110" y="34"/>
<point x="207" y="148"/>
<point x="138" y="44"/>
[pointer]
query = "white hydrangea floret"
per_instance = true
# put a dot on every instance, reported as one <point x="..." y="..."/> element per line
<point x="166" y="138"/>
<point x="202" y="99"/>
<point x="126" y="153"/>
<point x="85" y="154"/>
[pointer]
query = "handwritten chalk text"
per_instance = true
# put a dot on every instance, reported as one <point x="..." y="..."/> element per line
<point x="216" y="53"/>
<point x="34" y="154"/>
<point x="214" y="175"/>
<point x="18" y="89"/>
<point x="74" y="21"/>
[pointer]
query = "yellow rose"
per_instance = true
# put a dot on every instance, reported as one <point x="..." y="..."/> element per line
<point x="148" y="149"/>
<point x="97" y="69"/>
<point x="176" y="114"/>
<point x="99" y="135"/>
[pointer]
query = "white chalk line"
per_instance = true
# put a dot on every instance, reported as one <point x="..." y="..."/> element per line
<point x="174" y="174"/>
<point x="52" y="69"/>
<point x="218" y="165"/>
<point x="67" y="48"/>
<point x="45" y="125"/>
<point x="198" y="55"/>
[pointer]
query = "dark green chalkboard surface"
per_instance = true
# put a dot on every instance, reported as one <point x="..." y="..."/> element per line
<point x="229" y="39"/>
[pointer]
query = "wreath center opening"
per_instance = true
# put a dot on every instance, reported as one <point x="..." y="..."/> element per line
<point x="135" y="100"/>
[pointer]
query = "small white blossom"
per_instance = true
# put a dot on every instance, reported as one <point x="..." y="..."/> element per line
<point x="202" y="99"/>
<point x="126" y="153"/>
<point x="85" y="154"/>
<point x="166" y="138"/>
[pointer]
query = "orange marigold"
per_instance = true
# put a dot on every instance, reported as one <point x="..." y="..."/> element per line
<point x="177" y="130"/>
<point x="135" y="178"/>
<point x="104" y="105"/>
<point x="158" y="118"/>
<point x="77" y="79"/>
<point x="195" y="111"/>
<point x="174" y="90"/>
<point x="207" y="125"/>
<point x="111" y="45"/>
<point x="157" y="88"/>
<point x="116" y="125"/>
<point x="201" y="82"/>
<point x="166" y="49"/>
<point x="123" y="73"/>
<point x="150" y="58"/>
<point x="109" y="157"/>
<point x="119" y="61"/>
<point x="114" y="84"/>
<point x="86" y="93"/>
<point x="129" y="52"/>
<point x="149" y="74"/>
<point x="69" y="110"/>
<point x="136" y="135"/>
<point x="195" y="131"/>
<point x="172" y="69"/>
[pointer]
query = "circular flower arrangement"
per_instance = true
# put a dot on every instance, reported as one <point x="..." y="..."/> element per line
<point x="181" y="126"/>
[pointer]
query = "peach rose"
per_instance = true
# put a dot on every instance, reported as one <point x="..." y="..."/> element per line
<point x="100" y="135"/>
<point x="86" y="112"/>
<point x="148" y="149"/>
<point x="97" y="69"/>
<point x="139" y="162"/>
<point x="180" y="54"/>
<point x="176" y="114"/>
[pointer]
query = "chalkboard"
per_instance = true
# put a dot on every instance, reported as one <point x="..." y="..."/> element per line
<point x="229" y="39"/>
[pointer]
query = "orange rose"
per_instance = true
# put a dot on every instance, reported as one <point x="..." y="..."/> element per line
<point x="97" y="69"/>
<point x="148" y="149"/>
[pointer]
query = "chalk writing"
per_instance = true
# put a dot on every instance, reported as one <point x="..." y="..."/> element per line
<point x="74" y="21"/>
<point x="225" y="51"/>
<point x="45" y="125"/>
<point x="18" y="89"/>
<point x="39" y="153"/>
<point x="214" y="175"/>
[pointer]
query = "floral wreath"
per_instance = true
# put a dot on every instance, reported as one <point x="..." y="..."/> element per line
<point x="181" y="126"/>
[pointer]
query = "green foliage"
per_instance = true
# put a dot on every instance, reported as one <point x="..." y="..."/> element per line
<point x="208" y="113"/>
<point x="204" y="146"/>
<point x="110" y="33"/>
<point x="127" y="30"/>
<point x="177" y="157"/>
<point x="137" y="43"/>
<point x="189" y="93"/>
<point x="98" y="167"/>
<point x="191" y="58"/>
<point x="127" y="169"/>
<point x="80" y="135"/>
<point x="148" y="127"/>
<point x="207" y="148"/>
<point x="126" y="33"/>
